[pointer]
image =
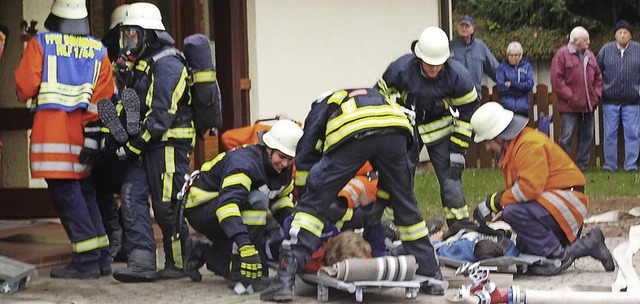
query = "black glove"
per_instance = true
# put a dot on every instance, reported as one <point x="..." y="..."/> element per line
<point x="456" y="165"/>
<point x="490" y="205"/>
<point x="250" y="264"/>
<point x="126" y="151"/>
<point x="93" y="140"/>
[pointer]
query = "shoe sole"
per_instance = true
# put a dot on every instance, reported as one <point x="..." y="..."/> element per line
<point x="125" y="278"/>
<point x="109" y="116"/>
<point x="131" y="105"/>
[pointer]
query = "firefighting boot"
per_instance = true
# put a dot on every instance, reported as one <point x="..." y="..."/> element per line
<point x="282" y="287"/>
<point x="593" y="245"/>
<point x="141" y="267"/>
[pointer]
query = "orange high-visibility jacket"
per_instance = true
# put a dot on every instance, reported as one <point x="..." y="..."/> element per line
<point x="54" y="71"/>
<point x="535" y="168"/>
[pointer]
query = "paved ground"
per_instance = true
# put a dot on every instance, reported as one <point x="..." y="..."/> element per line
<point x="586" y="274"/>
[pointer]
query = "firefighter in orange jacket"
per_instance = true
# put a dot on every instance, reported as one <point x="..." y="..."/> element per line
<point x="544" y="200"/>
<point x="65" y="72"/>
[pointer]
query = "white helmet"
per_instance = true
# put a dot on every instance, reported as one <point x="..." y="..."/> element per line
<point x="283" y="136"/>
<point x="68" y="17"/>
<point x="69" y="9"/>
<point x="491" y="120"/>
<point x="433" y="46"/>
<point x="118" y="15"/>
<point x="145" y="15"/>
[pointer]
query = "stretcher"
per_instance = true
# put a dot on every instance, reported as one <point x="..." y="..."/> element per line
<point x="505" y="263"/>
<point x="358" y="288"/>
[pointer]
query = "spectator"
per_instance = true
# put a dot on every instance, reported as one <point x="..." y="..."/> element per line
<point x="515" y="80"/>
<point x="473" y="53"/>
<point x="577" y="80"/>
<point x="67" y="71"/>
<point x="620" y="64"/>
<point x="543" y="200"/>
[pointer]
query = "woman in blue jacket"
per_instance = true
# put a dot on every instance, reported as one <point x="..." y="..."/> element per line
<point x="515" y="80"/>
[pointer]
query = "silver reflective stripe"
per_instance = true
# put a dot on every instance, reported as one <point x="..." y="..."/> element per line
<point x="58" y="166"/>
<point x="354" y="195"/>
<point x="573" y="200"/>
<point x="56" y="148"/>
<point x="518" y="193"/>
<point x="564" y="210"/>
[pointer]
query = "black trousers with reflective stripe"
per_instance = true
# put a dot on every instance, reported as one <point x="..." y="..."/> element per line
<point x="217" y="257"/>
<point x="388" y="155"/>
<point x="165" y="172"/>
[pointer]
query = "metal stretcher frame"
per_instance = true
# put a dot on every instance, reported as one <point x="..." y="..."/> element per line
<point x="358" y="287"/>
<point x="505" y="263"/>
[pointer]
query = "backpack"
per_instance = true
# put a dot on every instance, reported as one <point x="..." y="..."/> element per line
<point x="205" y="92"/>
<point x="203" y="86"/>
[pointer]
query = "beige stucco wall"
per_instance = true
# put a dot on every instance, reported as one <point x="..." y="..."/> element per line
<point x="301" y="48"/>
<point x="15" y="151"/>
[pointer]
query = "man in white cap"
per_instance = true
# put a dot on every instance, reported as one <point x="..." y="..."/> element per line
<point x="544" y="199"/>
<point x="66" y="72"/>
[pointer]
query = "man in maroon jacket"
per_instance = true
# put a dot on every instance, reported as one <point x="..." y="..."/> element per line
<point x="577" y="80"/>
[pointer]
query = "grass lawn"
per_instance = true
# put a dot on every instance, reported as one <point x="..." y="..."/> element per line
<point x="478" y="183"/>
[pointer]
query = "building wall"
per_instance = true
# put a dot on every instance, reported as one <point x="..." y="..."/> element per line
<point x="299" y="49"/>
<point x="15" y="150"/>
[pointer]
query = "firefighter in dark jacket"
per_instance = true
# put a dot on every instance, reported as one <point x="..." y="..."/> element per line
<point x="441" y="93"/>
<point x="230" y="201"/>
<point x="342" y="131"/>
<point x="159" y="153"/>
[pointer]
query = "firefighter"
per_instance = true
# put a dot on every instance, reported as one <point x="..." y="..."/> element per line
<point x="544" y="199"/>
<point x="66" y="72"/>
<point x="230" y="200"/>
<point x="159" y="153"/>
<point x="441" y="94"/>
<point x="341" y="132"/>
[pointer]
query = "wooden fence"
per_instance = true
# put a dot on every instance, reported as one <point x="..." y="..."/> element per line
<point x="542" y="101"/>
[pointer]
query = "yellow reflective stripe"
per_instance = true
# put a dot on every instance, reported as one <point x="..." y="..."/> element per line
<point x="287" y="190"/>
<point x="198" y="196"/>
<point x="237" y="179"/>
<point x="167" y="177"/>
<point x="146" y="136"/>
<point x="52" y="70"/>
<point x="348" y="215"/>
<point x="254" y="217"/>
<point x="443" y="122"/>
<point x="86" y="245"/>
<point x="492" y="202"/>
<point x="64" y="94"/>
<point x="436" y="135"/>
<point x="227" y="210"/>
<point x="365" y="123"/>
<point x="133" y="149"/>
<point x="183" y="132"/>
<point x="143" y="66"/>
<point x="466" y="98"/>
<point x="383" y="194"/>
<point x="176" y="250"/>
<point x="459" y="142"/>
<point x="462" y="127"/>
<point x="308" y="222"/>
<point x="208" y="165"/>
<point x="281" y="203"/>
<point x="413" y="232"/>
<point x="301" y="178"/>
<point x="337" y="97"/>
<point x="388" y="213"/>
<point x="178" y="91"/>
<point x="319" y="145"/>
<point x="350" y="113"/>
<point x="456" y="213"/>
<point x="204" y="76"/>
<point x="103" y="241"/>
